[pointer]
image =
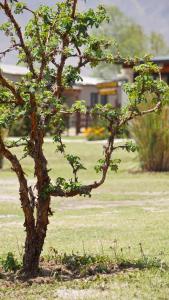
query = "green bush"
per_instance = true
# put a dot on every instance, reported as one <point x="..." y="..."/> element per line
<point x="10" y="263"/>
<point x="151" y="134"/>
<point x="77" y="265"/>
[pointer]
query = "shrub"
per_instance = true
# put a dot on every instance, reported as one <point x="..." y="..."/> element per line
<point x="77" y="265"/>
<point x="151" y="134"/>
<point x="10" y="263"/>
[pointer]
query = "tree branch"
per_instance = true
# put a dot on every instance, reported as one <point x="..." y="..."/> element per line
<point x="11" y="17"/>
<point x="134" y="114"/>
<point x="74" y="5"/>
<point x="5" y="83"/>
<point x="86" y="189"/>
<point x="23" y="189"/>
<point x="10" y="49"/>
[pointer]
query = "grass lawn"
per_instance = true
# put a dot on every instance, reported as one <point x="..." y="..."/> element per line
<point x="131" y="208"/>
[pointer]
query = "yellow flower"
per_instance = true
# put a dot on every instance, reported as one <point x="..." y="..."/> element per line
<point x="87" y="131"/>
<point x="102" y="129"/>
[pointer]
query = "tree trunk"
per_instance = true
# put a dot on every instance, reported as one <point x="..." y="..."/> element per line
<point x="35" y="239"/>
<point x="1" y="161"/>
<point x="32" y="255"/>
<point x="33" y="248"/>
<point x="3" y="133"/>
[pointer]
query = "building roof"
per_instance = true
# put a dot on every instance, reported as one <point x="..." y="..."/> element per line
<point x="161" y="59"/>
<point x="164" y="60"/>
<point x="89" y="81"/>
<point x="18" y="70"/>
<point x="13" y="70"/>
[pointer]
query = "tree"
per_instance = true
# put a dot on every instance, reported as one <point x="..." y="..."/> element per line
<point x="130" y="40"/>
<point x="51" y="38"/>
<point x="157" y="44"/>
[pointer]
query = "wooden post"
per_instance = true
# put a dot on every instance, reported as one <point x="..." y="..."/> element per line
<point x="2" y="133"/>
<point x="87" y="119"/>
<point x="78" y="122"/>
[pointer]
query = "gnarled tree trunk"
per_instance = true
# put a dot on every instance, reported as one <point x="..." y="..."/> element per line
<point x="32" y="254"/>
<point x="33" y="247"/>
<point x="35" y="236"/>
<point x="35" y="239"/>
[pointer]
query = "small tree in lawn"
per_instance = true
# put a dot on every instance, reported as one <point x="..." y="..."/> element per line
<point x="51" y="38"/>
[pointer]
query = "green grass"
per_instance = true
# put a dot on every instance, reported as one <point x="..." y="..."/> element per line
<point x="132" y="208"/>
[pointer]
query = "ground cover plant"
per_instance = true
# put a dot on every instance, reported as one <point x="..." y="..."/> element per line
<point x="52" y="37"/>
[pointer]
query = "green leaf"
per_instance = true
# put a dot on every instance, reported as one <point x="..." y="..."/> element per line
<point x="114" y="164"/>
<point x="19" y="7"/>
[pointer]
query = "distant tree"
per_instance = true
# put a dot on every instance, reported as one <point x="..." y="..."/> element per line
<point x="51" y="38"/>
<point x="158" y="44"/>
<point x="130" y="40"/>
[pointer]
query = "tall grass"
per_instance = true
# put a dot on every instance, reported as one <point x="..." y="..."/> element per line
<point x="151" y="134"/>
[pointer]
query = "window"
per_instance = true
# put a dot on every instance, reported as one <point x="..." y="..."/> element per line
<point x="104" y="99"/>
<point x="93" y="99"/>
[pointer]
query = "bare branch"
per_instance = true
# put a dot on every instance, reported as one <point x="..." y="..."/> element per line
<point x="23" y="189"/>
<point x="15" y="144"/>
<point x="55" y="63"/>
<point x="74" y="5"/>
<point x="63" y="59"/>
<point x="11" y="17"/>
<point x="10" y="49"/>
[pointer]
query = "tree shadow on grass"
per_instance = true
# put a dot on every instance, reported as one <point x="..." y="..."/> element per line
<point x="64" y="267"/>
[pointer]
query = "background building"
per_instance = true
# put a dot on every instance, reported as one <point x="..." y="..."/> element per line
<point x="92" y="90"/>
<point x="14" y="73"/>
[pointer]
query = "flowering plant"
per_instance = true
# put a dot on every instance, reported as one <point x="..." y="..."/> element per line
<point x="96" y="133"/>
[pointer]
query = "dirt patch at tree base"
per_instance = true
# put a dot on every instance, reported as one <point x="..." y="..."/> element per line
<point x="51" y="272"/>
